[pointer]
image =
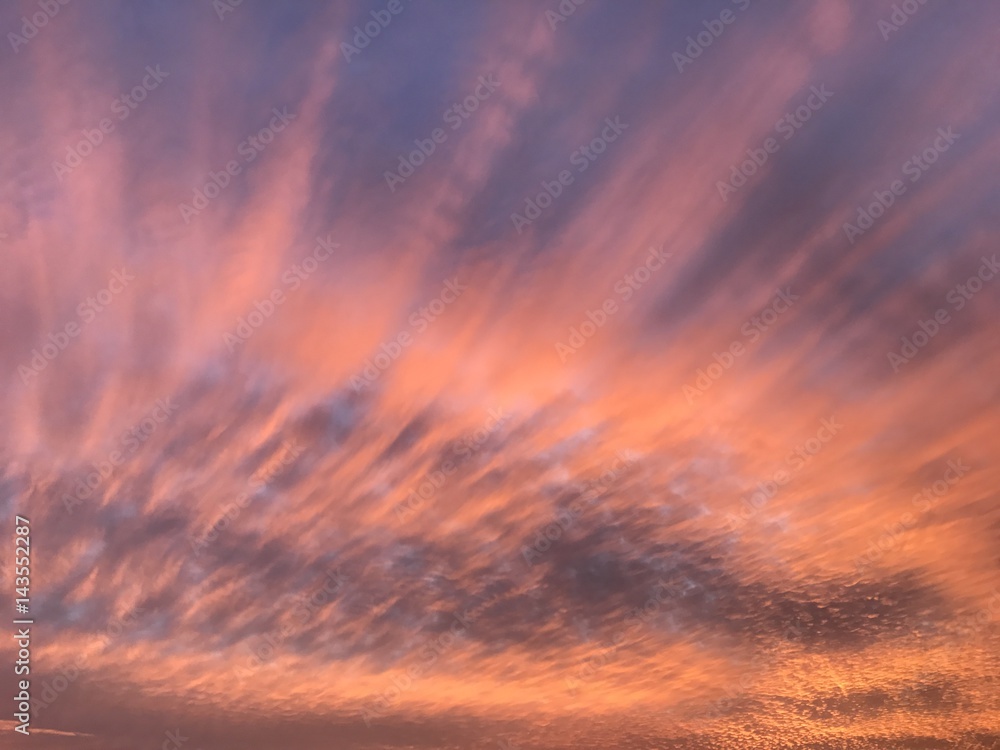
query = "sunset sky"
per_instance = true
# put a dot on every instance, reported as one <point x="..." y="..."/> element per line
<point x="523" y="375"/>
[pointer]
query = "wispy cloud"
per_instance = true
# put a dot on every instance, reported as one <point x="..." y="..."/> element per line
<point x="449" y="318"/>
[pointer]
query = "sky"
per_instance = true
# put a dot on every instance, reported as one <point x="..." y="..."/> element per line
<point x="456" y="375"/>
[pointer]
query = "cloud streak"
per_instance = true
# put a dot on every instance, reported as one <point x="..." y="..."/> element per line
<point x="430" y="324"/>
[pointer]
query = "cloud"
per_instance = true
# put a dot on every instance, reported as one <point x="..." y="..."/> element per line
<point x="191" y="576"/>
